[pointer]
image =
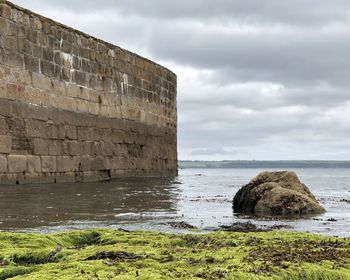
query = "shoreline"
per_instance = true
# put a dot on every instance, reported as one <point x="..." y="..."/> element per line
<point x="123" y="254"/>
<point x="202" y="201"/>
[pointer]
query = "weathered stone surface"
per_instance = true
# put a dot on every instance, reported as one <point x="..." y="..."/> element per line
<point x="36" y="128"/>
<point x="5" y="144"/>
<point x="55" y="147"/>
<point x="56" y="131"/>
<point x="75" y="108"/>
<point x="84" y="133"/>
<point x="17" y="164"/>
<point x="64" y="164"/>
<point x="3" y="127"/>
<point x="99" y="163"/>
<point x="41" y="146"/>
<point x="48" y="164"/>
<point x="75" y="148"/>
<point x="34" y="164"/>
<point x="3" y="164"/>
<point x="276" y="193"/>
<point x="71" y="132"/>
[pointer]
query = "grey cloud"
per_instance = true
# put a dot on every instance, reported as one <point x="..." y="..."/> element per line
<point x="257" y="79"/>
<point x="260" y="96"/>
<point x="290" y="56"/>
<point x="295" y="12"/>
<point x="282" y="132"/>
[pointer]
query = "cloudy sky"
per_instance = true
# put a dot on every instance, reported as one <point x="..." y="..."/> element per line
<point x="256" y="79"/>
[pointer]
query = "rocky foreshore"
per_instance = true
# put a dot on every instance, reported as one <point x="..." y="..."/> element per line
<point x="108" y="254"/>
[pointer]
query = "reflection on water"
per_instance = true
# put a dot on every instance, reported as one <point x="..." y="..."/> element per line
<point x="58" y="204"/>
<point x="201" y="197"/>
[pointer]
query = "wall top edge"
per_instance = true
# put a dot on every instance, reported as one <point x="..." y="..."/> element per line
<point x="86" y="35"/>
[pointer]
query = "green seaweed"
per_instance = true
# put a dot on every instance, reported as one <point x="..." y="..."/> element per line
<point x="11" y="272"/>
<point x="155" y="255"/>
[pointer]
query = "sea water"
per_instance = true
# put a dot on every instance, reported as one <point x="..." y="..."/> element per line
<point x="200" y="197"/>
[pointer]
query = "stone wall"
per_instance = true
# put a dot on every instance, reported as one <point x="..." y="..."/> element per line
<point x="75" y="108"/>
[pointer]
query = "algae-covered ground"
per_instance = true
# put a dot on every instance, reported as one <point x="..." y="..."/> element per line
<point x="107" y="254"/>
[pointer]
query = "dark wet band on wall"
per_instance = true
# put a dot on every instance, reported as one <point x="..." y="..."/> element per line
<point x="48" y="145"/>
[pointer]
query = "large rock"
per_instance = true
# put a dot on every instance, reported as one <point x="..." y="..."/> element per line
<point x="276" y="193"/>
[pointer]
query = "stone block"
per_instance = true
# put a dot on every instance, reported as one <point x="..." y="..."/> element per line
<point x="41" y="82"/>
<point x="86" y="163"/>
<point x="116" y="112"/>
<point x="48" y="164"/>
<point x="31" y="63"/>
<point x="33" y="164"/>
<point x="80" y="78"/>
<point x="95" y="148"/>
<point x="56" y="132"/>
<point x="5" y="144"/>
<point x="3" y="164"/>
<point x="72" y="90"/>
<point x="83" y="106"/>
<point x="81" y="163"/>
<point x="35" y="24"/>
<point x="116" y="163"/>
<point x="66" y="103"/>
<point x="16" y="163"/>
<point x="71" y="132"/>
<point x="107" y="148"/>
<point x="55" y="147"/>
<point x="5" y="105"/>
<point x="98" y="163"/>
<point x="116" y="136"/>
<point x="36" y="128"/>
<point x="41" y="146"/>
<point x="101" y="134"/>
<point x="94" y="108"/>
<point x="64" y="164"/>
<point x="5" y="11"/>
<point x="84" y="133"/>
<point x="59" y="87"/>
<point x="21" y="145"/>
<point x="65" y="74"/>
<point x="48" y="54"/>
<point x="11" y="92"/>
<point x="87" y="147"/>
<point x="75" y="148"/>
<point x="84" y="93"/>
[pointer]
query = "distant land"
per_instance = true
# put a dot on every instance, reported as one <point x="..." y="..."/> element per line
<point x="264" y="164"/>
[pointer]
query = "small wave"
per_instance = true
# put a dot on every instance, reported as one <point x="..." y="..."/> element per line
<point x="127" y="214"/>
